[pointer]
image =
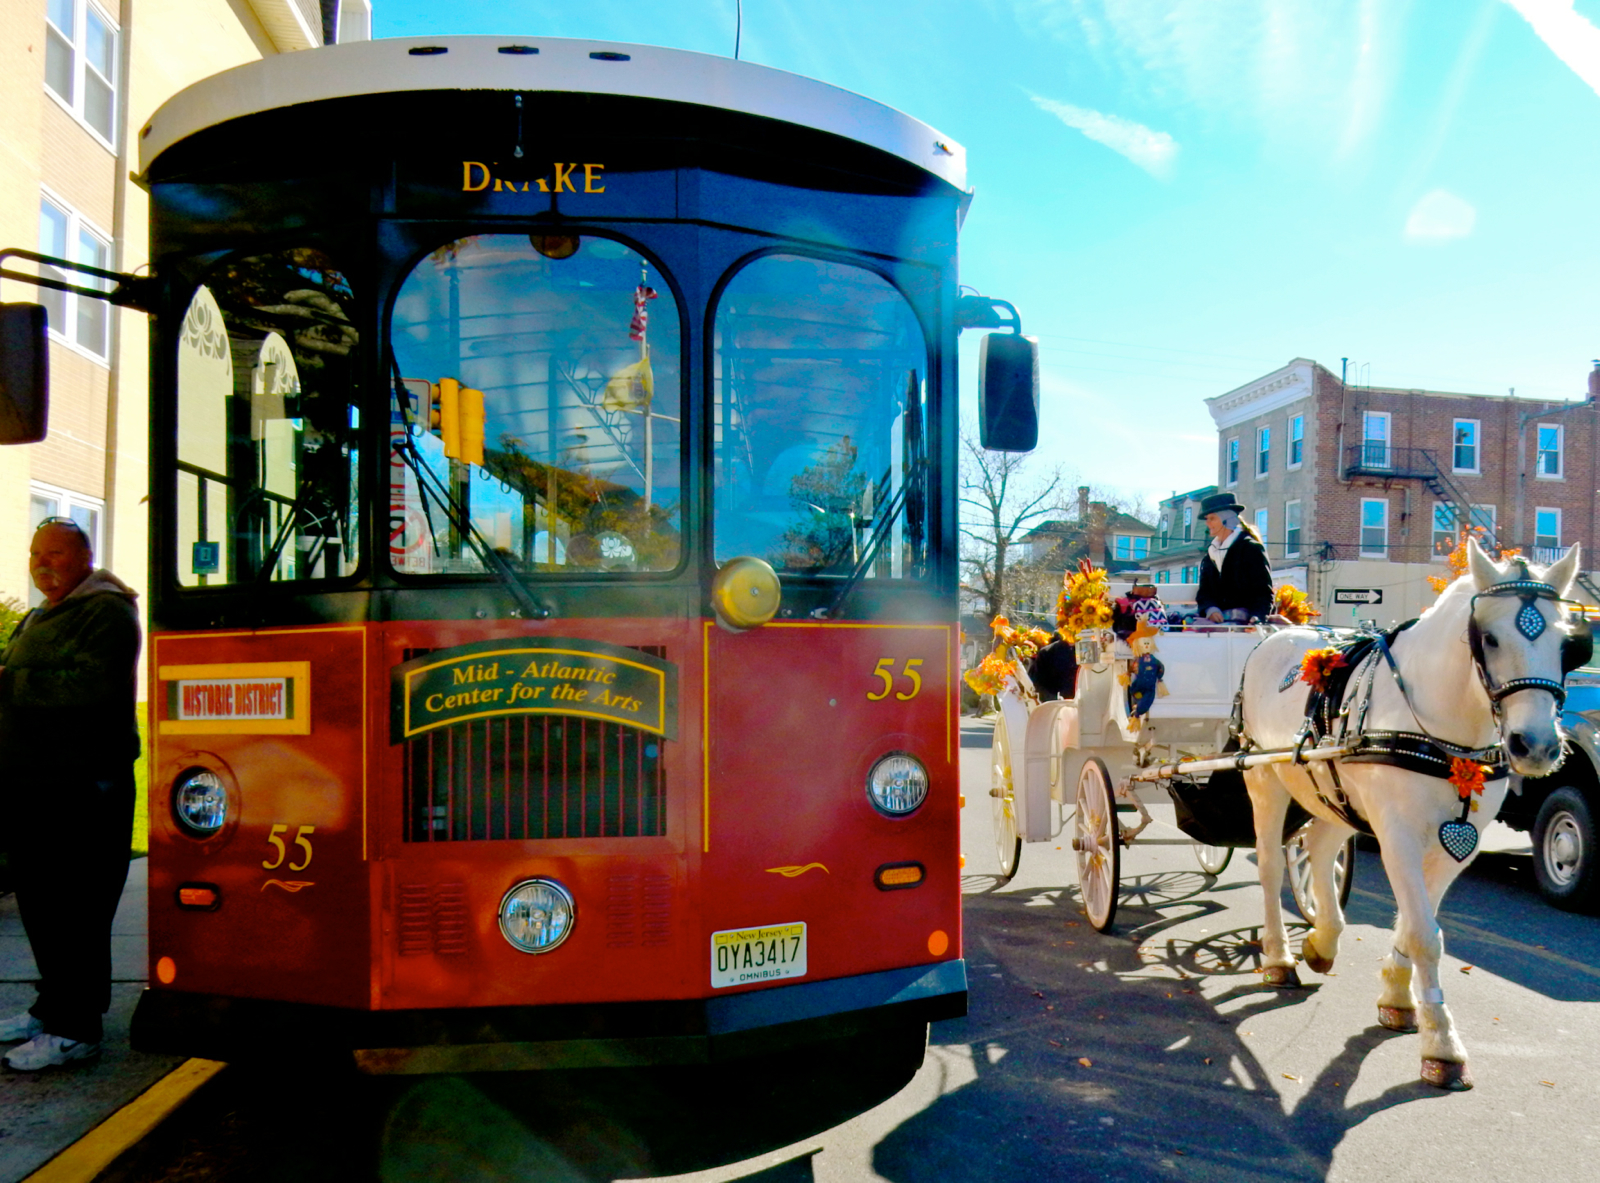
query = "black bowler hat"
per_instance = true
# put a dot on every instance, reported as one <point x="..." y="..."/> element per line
<point x="1218" y="502"/>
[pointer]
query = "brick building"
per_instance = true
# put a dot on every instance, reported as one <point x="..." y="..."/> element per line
<point x="1366" y="486"/>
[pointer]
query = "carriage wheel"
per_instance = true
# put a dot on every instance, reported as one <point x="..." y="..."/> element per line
<point x="1299" y="864"/>
<point x="1213" y="860"/>
<point x="1097" y="844"/>
<point x="1003" y="800"/>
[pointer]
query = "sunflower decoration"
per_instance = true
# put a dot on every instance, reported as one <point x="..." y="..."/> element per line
<point x="1317" y="664"/>
<point x="1085" y="601"/>
<point x="1011" y="646"/>
<point x="1293" y="605"/>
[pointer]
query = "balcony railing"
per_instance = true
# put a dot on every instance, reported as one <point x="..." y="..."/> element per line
<point x="1379" y="458"/>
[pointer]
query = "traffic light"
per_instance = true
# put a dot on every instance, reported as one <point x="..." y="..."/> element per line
<point x="455" y="415"/>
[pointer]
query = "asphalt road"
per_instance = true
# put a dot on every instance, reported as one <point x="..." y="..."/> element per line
<point x="1151" y="1053"/>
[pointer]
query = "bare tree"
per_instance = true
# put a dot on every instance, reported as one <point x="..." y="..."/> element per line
<point x="1000" y="501"/>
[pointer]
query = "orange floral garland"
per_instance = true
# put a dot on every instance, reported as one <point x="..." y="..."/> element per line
<point x="989" y="675"/>
<point x="1293" y="604"/>
<point x="1317" y="664"/>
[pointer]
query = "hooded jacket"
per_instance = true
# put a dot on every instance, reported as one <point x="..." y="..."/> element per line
<point x="69" y="684"/>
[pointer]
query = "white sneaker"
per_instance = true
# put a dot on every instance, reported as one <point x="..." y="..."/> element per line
<point x="23" y="1026"/>
<point x="49" y="1051"/>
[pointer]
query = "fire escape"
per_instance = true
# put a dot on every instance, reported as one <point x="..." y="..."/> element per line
<point x="1375" y="458"/>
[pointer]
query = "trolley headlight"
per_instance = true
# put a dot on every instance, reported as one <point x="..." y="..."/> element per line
<point x="898" y="783"/>
<point x="200" y="802"/>
<point x="536" y="915"/>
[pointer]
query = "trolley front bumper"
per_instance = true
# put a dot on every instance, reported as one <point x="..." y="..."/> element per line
<point x="501" y="1039"/>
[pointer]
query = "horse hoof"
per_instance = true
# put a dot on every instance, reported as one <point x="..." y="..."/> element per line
<point x="1315" y="961"/>
<point x="1398" y="1018"/>
<point x="1282" y="976"/>
<point x="1447" y="1074"/>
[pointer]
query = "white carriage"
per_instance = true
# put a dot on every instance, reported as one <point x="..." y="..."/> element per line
<point x="1081" y="753"/>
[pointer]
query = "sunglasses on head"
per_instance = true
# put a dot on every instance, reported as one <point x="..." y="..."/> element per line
<point x="69" y="524"/>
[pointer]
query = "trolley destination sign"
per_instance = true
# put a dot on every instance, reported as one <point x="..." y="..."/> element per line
<point x="534" y="676"/>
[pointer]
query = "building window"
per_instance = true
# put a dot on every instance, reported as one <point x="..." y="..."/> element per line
<point x="1188" y="523"/>
<point x="48" y="501"/>
<point x="1549" y="450"/>
<point x="1124" y="548"/>
<point x="80" y="63"/>
<point x="1546" y="535"/>
<point x="1233" y="462"/>
<point x="1297" y="441"/>
<point x="1444" y="529"/>
<point x="1464" y="445"/>
<point x="1141" y="547"/>
<point x="1291" y="529"/>
<point x="1261" y="525"/>
<point x="1375" y="439"/>
<point x="1164" y="524"/>
<point x="1374" y="528"/>
<point x="77" y="320"/>
<point x="1483" y="518"/>
<point x="1263" y="450"/>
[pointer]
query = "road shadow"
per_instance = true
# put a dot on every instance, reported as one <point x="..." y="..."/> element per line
<point x="1085" y="1065"/>
<point x="1554" y="953"/>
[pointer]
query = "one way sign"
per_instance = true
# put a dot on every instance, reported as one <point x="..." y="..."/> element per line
<point x="1358" y="595"/>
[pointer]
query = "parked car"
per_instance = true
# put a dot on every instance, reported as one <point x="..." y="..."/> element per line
<point x="1559" y="810"/>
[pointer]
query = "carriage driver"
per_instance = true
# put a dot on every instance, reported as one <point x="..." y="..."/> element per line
<point x="1235" y="578"/>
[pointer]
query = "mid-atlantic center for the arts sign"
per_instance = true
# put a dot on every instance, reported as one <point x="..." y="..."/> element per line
<point x="534" y="676"/>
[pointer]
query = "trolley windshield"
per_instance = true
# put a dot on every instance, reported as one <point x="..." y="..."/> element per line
<point x="543" y="391"/>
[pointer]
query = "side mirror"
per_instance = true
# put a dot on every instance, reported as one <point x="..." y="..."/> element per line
<point x="1008" y="392"/>
<point x="24" y="374"/>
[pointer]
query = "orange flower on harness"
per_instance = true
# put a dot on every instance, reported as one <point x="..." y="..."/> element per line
<point x="1467" y="777"/>
<point x="1317" y="664"/>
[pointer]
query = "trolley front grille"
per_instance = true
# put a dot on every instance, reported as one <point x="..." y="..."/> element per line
<point x="534" y="776"/>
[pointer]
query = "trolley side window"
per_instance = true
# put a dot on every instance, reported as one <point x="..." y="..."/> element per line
<point x="268" y="390"/>
<point x="820" y="396"/>
<point x="544" y="394"/>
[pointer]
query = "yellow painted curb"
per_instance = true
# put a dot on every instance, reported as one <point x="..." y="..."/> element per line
<point x="99" y="1148"/>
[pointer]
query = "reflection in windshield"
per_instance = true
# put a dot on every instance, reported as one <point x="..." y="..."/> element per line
<point x="819" y="420"/>
<point x="543" y="375"/>
<point x="267" y="424"/>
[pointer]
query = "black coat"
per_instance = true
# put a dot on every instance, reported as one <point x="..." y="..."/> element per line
<point x="1245" y="580"/>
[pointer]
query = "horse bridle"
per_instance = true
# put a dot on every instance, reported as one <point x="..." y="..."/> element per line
<point x="1576" y="649"/>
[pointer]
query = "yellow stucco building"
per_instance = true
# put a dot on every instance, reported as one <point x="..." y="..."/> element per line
<point x="78" y="78"/>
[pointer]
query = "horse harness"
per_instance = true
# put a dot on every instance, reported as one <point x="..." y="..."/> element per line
<point x="1329" y="707"/>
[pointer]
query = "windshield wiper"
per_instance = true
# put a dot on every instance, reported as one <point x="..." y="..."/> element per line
<point x="429" y="484"/>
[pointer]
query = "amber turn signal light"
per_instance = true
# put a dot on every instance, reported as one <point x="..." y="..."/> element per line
<point x="202" y="897"/>
<point x="898" y="876"/>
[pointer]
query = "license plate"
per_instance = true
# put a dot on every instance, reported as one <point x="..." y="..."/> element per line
<point x="743" y="955"/>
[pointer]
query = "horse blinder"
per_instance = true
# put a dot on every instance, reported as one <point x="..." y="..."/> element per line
<point x="1578" y="647"/>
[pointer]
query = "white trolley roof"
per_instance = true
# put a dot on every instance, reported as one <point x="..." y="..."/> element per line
<point x="387" y="66"/>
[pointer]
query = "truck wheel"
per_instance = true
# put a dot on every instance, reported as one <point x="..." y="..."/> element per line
<point x="1565" y="851"/>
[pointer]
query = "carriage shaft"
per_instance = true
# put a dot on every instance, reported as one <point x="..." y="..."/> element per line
<point x="1249" y="760"/>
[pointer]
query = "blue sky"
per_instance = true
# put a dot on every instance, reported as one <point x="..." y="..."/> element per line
<point x="1183" y="195"/>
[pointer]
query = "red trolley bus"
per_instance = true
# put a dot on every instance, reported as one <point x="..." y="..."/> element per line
<point x="553" y="653"/>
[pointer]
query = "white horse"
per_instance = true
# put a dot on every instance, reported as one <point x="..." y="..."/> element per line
<point x="1512" y="699"/>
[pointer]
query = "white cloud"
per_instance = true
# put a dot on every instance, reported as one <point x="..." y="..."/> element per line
<point x="1571" y="37"/>
<point x="1439" y="216"/>
<point x="1153" y="151"/>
